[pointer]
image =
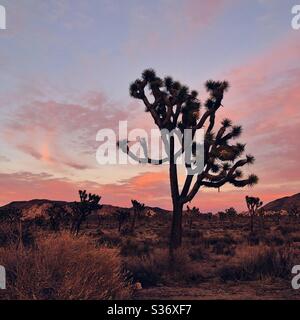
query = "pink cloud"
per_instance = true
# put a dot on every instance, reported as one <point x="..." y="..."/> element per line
<point x="181" y="21"/>
<point x="61" y="133"/>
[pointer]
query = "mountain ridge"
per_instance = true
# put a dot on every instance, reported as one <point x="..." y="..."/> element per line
<point x="283" y="203"/>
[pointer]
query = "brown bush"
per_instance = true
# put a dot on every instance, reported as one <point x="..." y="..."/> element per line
<point x="197" y="253"/>
<point x="132" y="247"/>
<point x="64" y="268"/>
<point x="257" y="263"/>
<point x="156" y="268"/>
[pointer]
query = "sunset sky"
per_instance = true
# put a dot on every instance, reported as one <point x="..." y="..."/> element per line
<point x="65" y="69"/>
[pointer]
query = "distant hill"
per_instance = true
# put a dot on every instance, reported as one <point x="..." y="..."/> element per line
<point x="39" y="207"/>
<point x="283" y="203"/>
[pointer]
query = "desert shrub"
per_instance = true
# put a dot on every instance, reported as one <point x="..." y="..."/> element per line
<point x="226" y="239"/>
<point x="274" y="239"/>
<point x="10" y="234"/>
<point x="295" y="237"/>
<point x="7" y="234"/>
<point x="193" y="233"/>
<point x="132" y="247"/>
<point x="195" y="236"/>
<point x="256" y="263"/>
<point x="223" y="248"/>
<point x="197" y="253"/>
<point x="286" y="229"/>
<point x="156" y="268"/>
<point x="253" y="239"/>
<point x="126" y="230"/>
<point x="109" y="240"/>
<point x="39" y="221"/>
<point x="28" y="237"/>
<point x="61" y="267"/>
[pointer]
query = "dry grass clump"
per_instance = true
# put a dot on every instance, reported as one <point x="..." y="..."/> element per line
<point x="256" y="263"/>
<point x="133" y="247"/>
<point x="62" y="267"/>
<point x="156" y="268"/>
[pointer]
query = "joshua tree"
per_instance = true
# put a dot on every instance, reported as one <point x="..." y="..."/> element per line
<point x="81" y="210"/>
<point x="174" y="108"/>
<point x="253" y="204"/>
<point x="122" y="217"/>
<point x="192" y="213"/>
<point x="138" y="208"/>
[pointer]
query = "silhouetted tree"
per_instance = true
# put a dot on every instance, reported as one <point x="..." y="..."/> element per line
<point x="231" y="212"/>
<point x="253" y="204"/>
<point x="174" y="107"/>
<point x="122" y="217"/>
<point x="192" y="214"/>
<point x="81" y="210"/>
<point x="138" y="208"/>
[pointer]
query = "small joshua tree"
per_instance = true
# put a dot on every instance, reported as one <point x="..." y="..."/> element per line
<point x="192" y="213"/>
<point x="122" y="217"/>
<point x="138" y="208"/>
<point x="173" y="107"/>
<point x="81" y="210"/>
<point x="253" y="204"/>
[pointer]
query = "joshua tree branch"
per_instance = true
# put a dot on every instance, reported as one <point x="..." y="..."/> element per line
<point x="123" y="145"/>
<point x="217" y="181"/>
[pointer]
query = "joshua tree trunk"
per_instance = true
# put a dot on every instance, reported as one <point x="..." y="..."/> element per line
<point x="176" y="229"/>
<point x="251" y="222"/>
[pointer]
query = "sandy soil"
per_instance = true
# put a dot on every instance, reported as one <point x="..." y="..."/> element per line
<point x="254" y="290"/>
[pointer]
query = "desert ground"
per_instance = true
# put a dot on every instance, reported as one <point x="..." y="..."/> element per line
<point x="220" y="258"/>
